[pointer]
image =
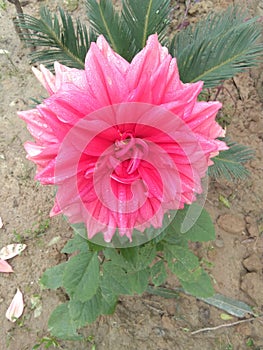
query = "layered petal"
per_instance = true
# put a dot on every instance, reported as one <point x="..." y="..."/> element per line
<point x="125" y="143"/>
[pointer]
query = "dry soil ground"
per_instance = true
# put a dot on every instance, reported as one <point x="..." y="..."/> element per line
<point x="146" y="322"/>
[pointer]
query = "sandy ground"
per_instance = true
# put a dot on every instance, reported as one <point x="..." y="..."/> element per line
<point x="142" y="322"/>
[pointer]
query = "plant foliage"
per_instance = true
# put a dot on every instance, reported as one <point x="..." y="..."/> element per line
<point x="213" y="50"/>
<point x="128" y="30"/>
<point x="218" y="47"/>
<point x="105" y="20"/>
<point x="145" y="18"/>
<point x="94" y="280"/>
<point x="230" y="163"/>
<point x="58" y="37"/>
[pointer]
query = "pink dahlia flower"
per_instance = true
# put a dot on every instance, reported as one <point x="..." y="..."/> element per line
<point x="124" y="142"/>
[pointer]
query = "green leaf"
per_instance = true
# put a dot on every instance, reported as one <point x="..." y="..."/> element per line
<point x="199" y="285"/>
<point x="146" y="17"/>
<point x="61" y="325"/>
<point x="229" y="163"/>
<point x="102" y="303"/>
<point x="81" y="231"/>
<point x="115" y="279"/>
<point x="77" y="243"/>
<point x="139" y="257"/>
<point x="196" y="224"/>
<point x="139" y="280"/>
<point x="52" y="278"/>
<point x="83" y="313"/>
<point x="191" y="223"/>
<point x="181" y="261"/>
<point x="104" y="19"/>
<point x="58" y="37"/>
<point x="108" y="301"/>
<point x="218" y="47"/>
<point x="132" y="259"/>
<point x="81" y="276"/>
<point x="232" y="306"/>
<point x="119" y="281"/>
<point x="158" y="273"/>
<point x="115" y="257"/>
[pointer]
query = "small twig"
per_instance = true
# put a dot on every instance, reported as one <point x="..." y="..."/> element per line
<point x="183" y="23"/>
<point x="223" y="326"/>
<point x="18" y="6"/>
<point x="20" y="18"/>
<point x="159" y="311"/>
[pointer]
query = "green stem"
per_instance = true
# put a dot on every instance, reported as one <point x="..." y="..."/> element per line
<point x="164" y="292"/>
<point x="146" y="24"/>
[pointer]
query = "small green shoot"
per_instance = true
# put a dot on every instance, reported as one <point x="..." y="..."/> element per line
<point x="47" y="342"/>
<point x="91" y="339"/>
<point x="18" y="238"/>
<point x="224" y="201"/>
<point x="3" y="5"/>
<point x="38" y="228"/>
<point x="226" y="317"/>
<point x="250" y="342"/>
<point x="229" y="347"/>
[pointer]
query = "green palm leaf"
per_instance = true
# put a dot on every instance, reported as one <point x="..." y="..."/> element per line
<point x="229" y="163"/>
<point x="105" y="20"/>
<point x="58" y="37"/>
<point x="128" y="30"/>
<point x="146" y="17"/>
<point x="217" y="48"/>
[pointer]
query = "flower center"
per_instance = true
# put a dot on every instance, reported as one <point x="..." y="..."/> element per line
<point x="129" y="151"/>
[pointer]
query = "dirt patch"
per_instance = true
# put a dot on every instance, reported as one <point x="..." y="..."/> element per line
<point x="147" y="322"/>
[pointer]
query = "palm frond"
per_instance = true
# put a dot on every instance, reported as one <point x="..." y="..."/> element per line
<point x="128" y="30"/>
<point x="146" y="17"/>
<point x="57" y="38"/>
<point x="104" y="19"/>
<point x="229" y="163"/>
<point x="218" y="47"/>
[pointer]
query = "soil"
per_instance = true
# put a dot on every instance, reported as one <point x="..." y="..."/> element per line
<point x="140" y="322"/>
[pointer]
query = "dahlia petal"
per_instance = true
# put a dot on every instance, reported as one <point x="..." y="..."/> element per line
<point x="111" y="229"/>
<point x="203" y="109"/>
<point x="56" y="209"/>
<point x="11" y="250"/>
<point x="46" y="175"/>
<point x="124" y="142"/>
<point x="16" y="307"/>
<point x="202" y="119"/>
<point x="173" y="82"/>
<point x="46" y="78"/>
<point x="104" y="79"/>
<point x="41" y="154"/>
<point x="145" y="63"/>
<point x="37" y="126"/>
<point x="5" y="267"/>
<point x="98" y="220"/>
<point x="119" y="62"/>
<point x="59" y="128"/>
<point x="65" y="74"/>
<point x="153" y="182"/>
<point x="184" y="100"/>
<point x="158" y="82"/>
<point x="157" y="217"/>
